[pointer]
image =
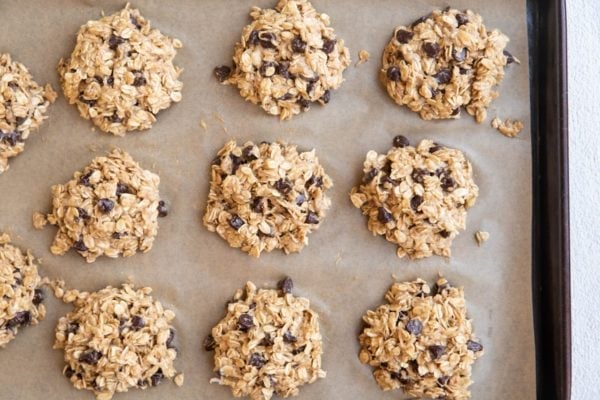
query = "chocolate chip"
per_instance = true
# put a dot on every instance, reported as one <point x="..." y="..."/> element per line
<point x="222" y="72"/>
<point x="268" y="68"/>
<point x="298" y="45"/>
<point x="170" y="339"/>
<point x="69" y="372"/>
<point x="418" y="175"/>
<point x="80" y="246"/>
<point x="328" y="46"/>
<point x="236" y="222"/>
<point x="99" y="79"/>
<point x="443" y="380"/>
<point x="117" y="235"/>
<point x="434" y="148"/>
<point x="404" y="36"/>
<point x="455" y="111"/>
<point x="21" y="318"/>
<point x="283" y="70"/>
<point x="267" y="341"/>
<point x="157" y="377"/>
<point x="289" y="338"/>
<point x="474" y="346"/>
<point x="266" y="39"/>
<point x="286" y="285"/>
<point x="284" y="186"/>
<point x="432" y="49"/>
<point x="415" y="202"/>
<point x="139" y="79"/>
<point x="414" y="327"/>
<point x="300" y="199"/>
<point x="509" y="57"/>
<point x="256" y="360"/>
<point x="448" y="183"/>
<point x="401" y="141"/>
<point x="369" y="176"/>
<point x="38" y="296"/>
<point x="393" y="74"/>
<point x="72" y="327"/>
<point x="253" y="38"/>
<point x="461" y="19"/>
<point x="384" y="216"/>
<point x="299" y="350"/>
<point x="209" y="343"/>
<point x="436" y="351"/>
<point x="114" y="41"/>
<point x="122" y="188"/>
<point x="248" y="154"/>
<point x="257" y="205"/>
<point x="135" y="22"/>
<point x="245" y="322"/>
<point x="304" y="104"/>
<point x="162" y="209"/>
<point x="137" y="322"/>
<point x="85" y="179"/>
<point x="110" y="81"/>
<point x="106" y="205"/>
<point x="312" y="218"/>
<point x="326" y="97"/>
<point x="91" y="357"/>
<point x="459" y="56"/>
<point x="418" y="21"/>
<point x="115" y="119"/>
<point x="82" y="214"/>
<point x="314" y="180"/>
<point x="235" y="163"/>
<point x="444" y="76"/>
<point x="445" y="234"/>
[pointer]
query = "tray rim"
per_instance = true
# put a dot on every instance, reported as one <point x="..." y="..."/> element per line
<point x="551" y="259"/>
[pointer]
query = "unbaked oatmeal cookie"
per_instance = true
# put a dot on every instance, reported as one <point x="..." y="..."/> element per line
<point x="121" y="72"/>
<point x="288" y="58"/>
<point x="445" y="61"/>
<point x="268" y="343"/>
<point x="21" y="293"/>
<point x="266" y="196"/>
<point x="417" y="197"/>
<point x="116" y="339"/>
<point x="421" y="341"/>
<point x="23" y="105"/>
<point x="110" y="208"/>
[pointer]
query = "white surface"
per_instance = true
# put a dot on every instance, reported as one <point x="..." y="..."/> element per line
<point x="584" y="153"/>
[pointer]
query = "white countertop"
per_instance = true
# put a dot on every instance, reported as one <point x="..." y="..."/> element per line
<point x="584" y="151"/>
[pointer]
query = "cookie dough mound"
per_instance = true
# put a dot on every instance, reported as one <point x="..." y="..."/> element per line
<point x="267" y="344"/>
<point x="110" y="208"/>
<point x="267" y="196"/>
<point x="421" y="341"/>
<point x="21" y="295"/>
<point x="288" y="58"/>
<point x="443" y="62"/>
<point x="416" y="197"/>
<point x="116" y="339"/>
<point x="121" y="72"/>
<point x="23" y="105"/>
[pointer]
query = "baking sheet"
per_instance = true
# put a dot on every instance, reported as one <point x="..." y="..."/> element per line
<point x="345" y="270"/>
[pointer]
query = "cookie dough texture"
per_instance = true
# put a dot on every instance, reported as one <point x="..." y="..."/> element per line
<point x="445" y="61"/>
<point x="421" y="341"/>
<point x="23" y="105"/>
<point x="21" y="295"/>
<point x="417" y="197"/>
<point x="288" y="57"/>
<point x="116" y="339"/>
<point x="121" y="72"/>
<point x="267" y="196"/>
<point x="110" y="208"/>
<point x="267" y="344"/>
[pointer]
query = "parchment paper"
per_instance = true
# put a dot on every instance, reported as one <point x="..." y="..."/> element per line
<point x="195" y="272"/>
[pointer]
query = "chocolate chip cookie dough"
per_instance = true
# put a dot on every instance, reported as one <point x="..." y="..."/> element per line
<point x="121" y="72"/>
<point x="110" y="208"/>
<point x="288" y="57"/>
<point x="267" y="196"/>
<point x="445" y="61"/>
<point x="421" y="341"/>
<point x="21" y="295"/>
<point x="268" y="343"/>
<point x="417" y="197"/>
<point x="23" y="105"/>
<point x="116" y="339"/>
